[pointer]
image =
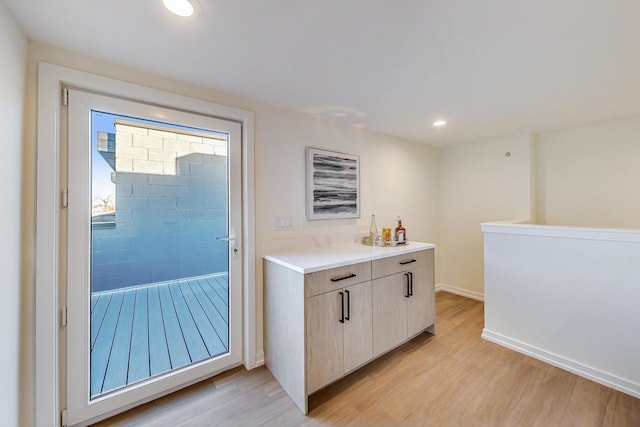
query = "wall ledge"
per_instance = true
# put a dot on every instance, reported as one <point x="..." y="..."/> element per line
<point x="601" y="377"/>
<point x="585" y="233"/>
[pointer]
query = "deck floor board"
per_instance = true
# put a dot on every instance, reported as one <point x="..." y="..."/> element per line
<point x="215" y="298"/>
<point x="94" y="301"/>
<point x="102" y="348"/>
<point x="178" y="353"/>
<point x="205" y="327"/>
<point x="139" y="350"/>
<point x="220" y="287"/>
<point x="219" y="323"/>
<point x="140" y="332"/>
<point x="97" y="315"/>
<point x="190" y="332"/>
<point x="159" y="361"/>
<point x="118" y="363"/>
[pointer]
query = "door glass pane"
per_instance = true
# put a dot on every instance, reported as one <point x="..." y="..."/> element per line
<point x="159" y="274"/>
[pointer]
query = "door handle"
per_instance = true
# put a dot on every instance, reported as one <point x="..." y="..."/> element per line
<point x="348" y="276"/>
<point x="408" y="294"/>
<point x="348" y="305"/>
<point x="341" y="307"/>
<point x="228" y="240"/>
<point x="410" y="283"/>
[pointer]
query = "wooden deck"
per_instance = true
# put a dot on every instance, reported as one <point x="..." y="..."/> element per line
<point x="140" y="332"/>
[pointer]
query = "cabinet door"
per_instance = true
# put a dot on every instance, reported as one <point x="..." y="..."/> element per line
<point x="325" y="350"/>
<point x="358" y="330"/>
<point x="421" y="310"/>
<point x="389" y="312"/>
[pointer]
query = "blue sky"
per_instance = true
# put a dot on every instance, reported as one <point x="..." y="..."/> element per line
<point x="101" y="184"/>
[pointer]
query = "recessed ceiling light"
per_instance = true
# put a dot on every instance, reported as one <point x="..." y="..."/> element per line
<point x="440" y="123"/>
<point x="179" y="7"/>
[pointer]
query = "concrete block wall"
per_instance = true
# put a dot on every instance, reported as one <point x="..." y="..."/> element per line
<point x="147" y="150"/>
<point x="167" y="219"/>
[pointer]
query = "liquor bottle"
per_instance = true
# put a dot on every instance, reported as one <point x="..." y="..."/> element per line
<point x="400" y="232"/>
<point x="373" y="229"/>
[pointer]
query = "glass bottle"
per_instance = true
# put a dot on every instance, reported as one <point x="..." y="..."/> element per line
<point x="400" y="232"/>
<point x="373" y="229"/>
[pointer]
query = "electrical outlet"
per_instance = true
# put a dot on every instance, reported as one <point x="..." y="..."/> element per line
<point x="283" y="223"/>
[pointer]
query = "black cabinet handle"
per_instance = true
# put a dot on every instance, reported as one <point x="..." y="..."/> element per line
<point x="407" y="262"/>
<point x="341" y="307"/>
<point x="408" y="294"/>
<point x="348" y="305"/>
<point x="410" y="283"/>
<point x="348" y="276"/>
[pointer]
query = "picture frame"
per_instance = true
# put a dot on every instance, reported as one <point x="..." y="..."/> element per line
<point x="333" y="184"/>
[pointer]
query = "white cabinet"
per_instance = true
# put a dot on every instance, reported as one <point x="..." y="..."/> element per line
<point x="319" y="326"/>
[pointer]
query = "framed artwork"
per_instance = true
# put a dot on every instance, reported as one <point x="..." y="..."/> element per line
<point x="333" y="185"/>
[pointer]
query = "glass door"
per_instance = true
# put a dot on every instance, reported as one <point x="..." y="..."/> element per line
<point x="153" y="263"/>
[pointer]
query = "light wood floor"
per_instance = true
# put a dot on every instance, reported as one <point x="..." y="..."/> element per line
<point x="454" y="378"/>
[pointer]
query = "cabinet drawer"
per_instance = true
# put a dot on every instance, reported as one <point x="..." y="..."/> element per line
<point x="396" y="264"/>
<point x="336" y="278"/>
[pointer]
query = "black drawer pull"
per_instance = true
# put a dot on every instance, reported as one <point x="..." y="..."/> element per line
<point x="407" y="262"/>
<point x="408" y="294"/>
<point x="410" y="283"/>
<point x="348" y="305"/>
<point x="348" y="276"/>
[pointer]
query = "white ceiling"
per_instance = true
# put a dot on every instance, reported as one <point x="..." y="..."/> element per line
<point x="490" y="67"/>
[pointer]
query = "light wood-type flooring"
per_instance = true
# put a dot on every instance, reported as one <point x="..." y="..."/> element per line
<point x="454" y="378"/>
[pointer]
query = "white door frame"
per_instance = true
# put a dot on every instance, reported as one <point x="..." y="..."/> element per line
<point x="51" y="79"/>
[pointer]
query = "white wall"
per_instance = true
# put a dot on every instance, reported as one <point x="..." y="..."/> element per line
<point x="590" y="176"/>
<point x="397" y="177"/>
<point x="568" y="297"/>
<point x="587" y="176"/>
<point x="479" y="183"/>
<point x="388" y="165"/>
<point x="13" y="55"/>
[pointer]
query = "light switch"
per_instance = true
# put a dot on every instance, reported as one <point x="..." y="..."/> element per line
<point x="283" y="223"/>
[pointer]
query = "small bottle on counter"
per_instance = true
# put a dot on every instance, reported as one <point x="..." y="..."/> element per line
<point x="400" y="232"/>
<point x="373" y="229"/>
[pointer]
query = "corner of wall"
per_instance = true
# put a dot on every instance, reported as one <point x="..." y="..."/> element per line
<point x="480" y="182"/>
<point x="533" y="210"/>
<point x="16" y="387"/>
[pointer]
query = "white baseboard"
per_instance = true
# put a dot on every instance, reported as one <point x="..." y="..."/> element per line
<point x="625" y="386"/>
<point x="459" y="291"/>
<point x="259" y="361"/>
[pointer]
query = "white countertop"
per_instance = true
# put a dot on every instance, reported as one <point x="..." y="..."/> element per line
<point x="322" y="258"/>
